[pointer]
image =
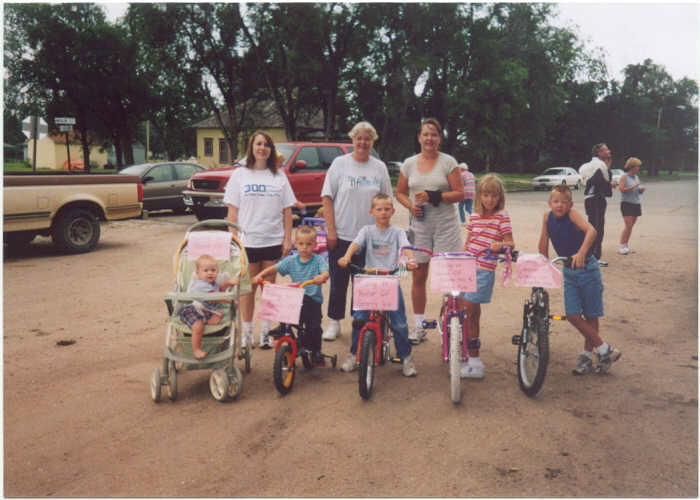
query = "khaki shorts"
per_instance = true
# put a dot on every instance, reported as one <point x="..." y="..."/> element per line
<point x="443" y="236"/>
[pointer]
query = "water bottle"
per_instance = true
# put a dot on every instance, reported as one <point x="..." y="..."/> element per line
<point x="422" y="215"/>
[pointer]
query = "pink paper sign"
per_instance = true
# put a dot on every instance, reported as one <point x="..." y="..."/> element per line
<point x="375" y="293"/>
<point x="281" y="303"/>
<point x="214" y="243"/>
<point x="536" y="270"/>
<point x="449" y="274"/>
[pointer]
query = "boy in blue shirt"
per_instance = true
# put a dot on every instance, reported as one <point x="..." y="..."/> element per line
<point x="306" y="265"/>
<point x="382" y="242"/>
<point x="572" y="236"/>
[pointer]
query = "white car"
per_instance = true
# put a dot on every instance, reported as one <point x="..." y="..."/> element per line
<point x="616" y="174"/>
<point x="555" y="176"/>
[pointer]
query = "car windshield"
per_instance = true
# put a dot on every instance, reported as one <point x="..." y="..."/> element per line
<point x="285" y="150"/>
<point x="554" y="171"/>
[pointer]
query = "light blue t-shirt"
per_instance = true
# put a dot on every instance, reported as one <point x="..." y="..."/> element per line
<point x="631" y="196"/>
<point x="382" y="246"/>
<point x="302" y="271"/>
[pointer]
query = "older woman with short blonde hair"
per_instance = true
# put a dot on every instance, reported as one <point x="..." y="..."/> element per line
<point x="351" y="182"/>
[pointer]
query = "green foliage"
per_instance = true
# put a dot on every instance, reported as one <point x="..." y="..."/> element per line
<point x="513" y="92"/>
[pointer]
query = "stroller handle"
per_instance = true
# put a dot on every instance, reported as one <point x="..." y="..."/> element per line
<point x="216" y="223"/>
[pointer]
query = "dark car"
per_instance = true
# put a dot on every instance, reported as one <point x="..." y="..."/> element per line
<point x="305" y="165"/>
<point x="163" y="183"/>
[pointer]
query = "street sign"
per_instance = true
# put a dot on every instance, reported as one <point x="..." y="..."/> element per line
<point x="64" y="120"/>
<point x="65" y="128"/>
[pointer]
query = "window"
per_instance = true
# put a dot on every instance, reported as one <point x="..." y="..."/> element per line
<point x="161" y="173"/>
<point x="183" y="171"/>
<point x="310" y="156"/>
<point x="223" y="151"/>
<point x="328" y="154"/>
<point x="208" y="146"/>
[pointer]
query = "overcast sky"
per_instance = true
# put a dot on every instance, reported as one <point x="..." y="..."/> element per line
<point x="628" y="32"/>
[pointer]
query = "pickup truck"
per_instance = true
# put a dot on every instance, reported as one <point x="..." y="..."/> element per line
<point x="66" y="207"/>
<point x="305" y="165"/>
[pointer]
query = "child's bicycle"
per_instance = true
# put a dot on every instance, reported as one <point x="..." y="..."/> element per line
<point x="452" y="324"/>
<point x="288" y="346"/>
<point x="373" y="342"/>
<point x="533" y="341"/>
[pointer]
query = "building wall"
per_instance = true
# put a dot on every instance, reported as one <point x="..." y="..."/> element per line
<point x="215" y="134"/>
<point x="52" y="155"/>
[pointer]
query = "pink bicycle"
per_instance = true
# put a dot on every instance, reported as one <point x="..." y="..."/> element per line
<point x="452" y="324"/>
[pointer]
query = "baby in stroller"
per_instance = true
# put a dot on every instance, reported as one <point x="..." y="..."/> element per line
<point x="197" y="314"/>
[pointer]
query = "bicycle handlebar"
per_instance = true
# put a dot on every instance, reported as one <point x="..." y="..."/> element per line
<point x="368" y="270"/>
<point x="293" y="285"/>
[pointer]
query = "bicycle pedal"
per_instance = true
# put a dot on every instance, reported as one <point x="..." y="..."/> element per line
<point x="396" y="360"/>
<point x="557" y="317"/>
<point x="515" y="340"/>
<point x="429" y="325"/>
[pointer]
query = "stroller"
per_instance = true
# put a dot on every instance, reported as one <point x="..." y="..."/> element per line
<point x="221" y="342"/>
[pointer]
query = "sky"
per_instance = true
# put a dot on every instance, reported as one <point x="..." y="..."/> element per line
<point x="629" y="33"/>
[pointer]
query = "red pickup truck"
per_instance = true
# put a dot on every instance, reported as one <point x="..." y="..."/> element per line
<point x="305" y="166"/>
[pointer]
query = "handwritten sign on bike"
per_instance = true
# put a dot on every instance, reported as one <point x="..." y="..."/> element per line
<point x="214" y="243"/>
<point x="449" y="274"/>
<point x="536" y="270"/>
<point x="375" y="293"/>
<point x="281" y="303"/>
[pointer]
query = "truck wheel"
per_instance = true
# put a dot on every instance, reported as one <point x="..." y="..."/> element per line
<point x="76" y="231"/>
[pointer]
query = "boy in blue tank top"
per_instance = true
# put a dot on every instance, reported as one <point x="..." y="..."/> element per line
<point x="572" y="236"/>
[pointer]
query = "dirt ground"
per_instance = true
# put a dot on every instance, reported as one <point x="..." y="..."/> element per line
<point x="79" y="420"/>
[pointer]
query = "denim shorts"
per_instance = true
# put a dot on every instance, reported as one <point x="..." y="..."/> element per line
<point x="484" y="287"/>
<point x="583" y="290"/>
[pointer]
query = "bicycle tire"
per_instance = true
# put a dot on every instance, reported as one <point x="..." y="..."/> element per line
<point x="367" y="363"/>
<point x="283" y="369"/>
<point x="533" y="351"/>
<point x="455" y="333"/>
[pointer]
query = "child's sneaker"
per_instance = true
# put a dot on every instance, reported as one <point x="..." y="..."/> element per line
<point x="265" y="340"/>
<point x="623" y="250"/>
<point x="349" y="365"/>
<point x="417" y="335"/>
<point x="472" y="369"/>
<point x="247" y="341"/>
<point x="584" y="365"/>
<point x="606" y="360"/>
<point x="409" y="368"/>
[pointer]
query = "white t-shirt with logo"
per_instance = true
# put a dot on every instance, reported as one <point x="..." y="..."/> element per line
<point x="352" y="185"/>
<point x="261" y="197"/>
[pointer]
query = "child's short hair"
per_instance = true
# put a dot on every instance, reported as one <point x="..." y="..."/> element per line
<point x="305" y="231"/>
<point x="562" y="189"/>
<point x="205" y="258"/>
<point x="381" y="197"/>
<point x="490" y="183"/>
<point x="631" y="163"/>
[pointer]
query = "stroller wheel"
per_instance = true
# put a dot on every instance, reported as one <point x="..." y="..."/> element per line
<point x="235" y="385"/>
<point x="155" y="385"/>
<point x="172" y="381"/>
<point x="218" y="384"/>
